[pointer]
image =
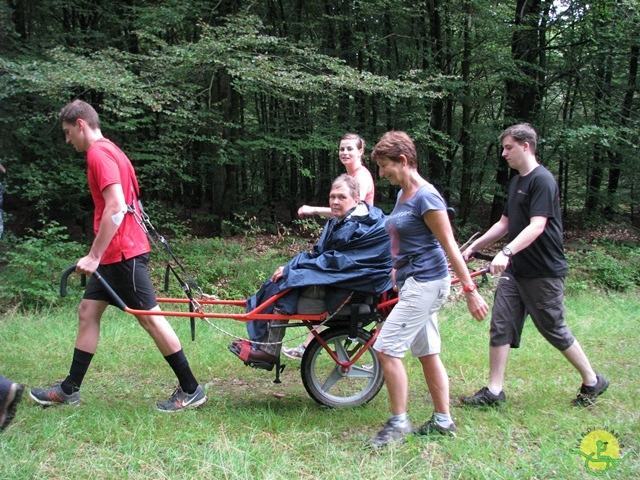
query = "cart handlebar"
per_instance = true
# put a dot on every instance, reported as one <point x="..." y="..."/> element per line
<point x="482" y="256"/>
<point x="114" y="296"/>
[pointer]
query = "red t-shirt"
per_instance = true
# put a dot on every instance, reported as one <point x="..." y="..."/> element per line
<point x="108" y="165"/>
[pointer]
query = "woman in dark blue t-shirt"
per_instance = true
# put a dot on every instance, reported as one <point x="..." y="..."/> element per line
<point x="420" y="234"/>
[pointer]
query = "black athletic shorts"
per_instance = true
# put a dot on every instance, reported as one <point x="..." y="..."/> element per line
<point x="129" y="279"/>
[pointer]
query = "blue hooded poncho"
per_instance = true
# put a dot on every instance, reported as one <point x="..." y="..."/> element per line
<point x="352" y="255"/>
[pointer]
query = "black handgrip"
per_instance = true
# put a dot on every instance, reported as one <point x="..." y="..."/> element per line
<point x="482" y="256"/>
<point x="65" y="276"/>
<point x="117" y="301"/>
<point x="63" y="280"/>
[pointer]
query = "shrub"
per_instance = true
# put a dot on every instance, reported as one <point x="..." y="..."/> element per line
<point x="32" y="267"/>
<point x="608" y="266"/>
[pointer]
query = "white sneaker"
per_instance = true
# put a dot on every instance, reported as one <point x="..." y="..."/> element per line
<point x="295" y="353"/>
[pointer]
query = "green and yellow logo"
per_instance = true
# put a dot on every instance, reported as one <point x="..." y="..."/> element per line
<point x="600" y="450"/>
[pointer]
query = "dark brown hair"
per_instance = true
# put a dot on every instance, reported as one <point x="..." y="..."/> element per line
<point x="521" y="133"/>
<point x="360" y="143"/>
<point x="392" y="145"/>
<point x="78" y="109"/>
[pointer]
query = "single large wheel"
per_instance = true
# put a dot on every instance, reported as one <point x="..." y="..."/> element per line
<point x="325" y="380"/>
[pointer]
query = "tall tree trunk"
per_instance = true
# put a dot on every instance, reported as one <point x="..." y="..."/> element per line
<point x="625" y="114"/>
<point x="593" y="203"/>
<point x="465" y="138"/>
<point x="436" y="168"/>
<point x="522" y="96"/>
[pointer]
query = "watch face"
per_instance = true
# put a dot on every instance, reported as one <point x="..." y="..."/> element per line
<point x="507" y="251"/>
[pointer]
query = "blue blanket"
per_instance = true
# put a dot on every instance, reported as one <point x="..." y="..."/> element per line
<point x="352" y="254"/>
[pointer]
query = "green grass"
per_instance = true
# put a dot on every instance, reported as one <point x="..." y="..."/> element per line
<point x="252" y="428"/>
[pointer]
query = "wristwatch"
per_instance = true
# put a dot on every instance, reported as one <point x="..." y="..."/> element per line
<point x="506" y="251"/>
<point x="469" y="288"/>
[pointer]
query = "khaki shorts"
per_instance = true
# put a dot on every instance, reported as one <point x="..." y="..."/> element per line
<point x="413" y="322"/>
<point x="540" y="298"/>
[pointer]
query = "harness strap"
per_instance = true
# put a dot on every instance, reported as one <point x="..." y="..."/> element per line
<point x="188" y="286"/>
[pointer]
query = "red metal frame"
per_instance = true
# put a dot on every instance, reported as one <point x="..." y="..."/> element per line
<point x="256" y="314"/>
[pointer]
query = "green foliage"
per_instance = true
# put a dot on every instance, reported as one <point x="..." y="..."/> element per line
<point x="235" y="268"/>
<point x="32" y="267"/>
<point x="309" y="227"/>
<point x="166" y="220"/>
<point x="608" y="266"/>
<point x="230" y="269"/>
<point x="243" y="224"/>
<point x="220" y="107"/>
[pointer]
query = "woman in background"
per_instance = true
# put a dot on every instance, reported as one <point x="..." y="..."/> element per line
<point x="351" y="152"/>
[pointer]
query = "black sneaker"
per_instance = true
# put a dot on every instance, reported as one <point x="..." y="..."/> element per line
<point x="8" y="410"/>
<point x="54" y="396"/>
<point x="390" y="434"/>
<point x="431" y="426"/>
<point x="484" y="397"/>
<point x="587" y="395"/>
<point x="181" y="400"/>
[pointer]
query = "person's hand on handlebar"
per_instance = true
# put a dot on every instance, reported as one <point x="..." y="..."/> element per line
<point x="499" y="263"/>
<point x="87" y="265"/>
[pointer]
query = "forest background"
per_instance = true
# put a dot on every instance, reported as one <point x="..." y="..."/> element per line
<point x="231" y="111"/>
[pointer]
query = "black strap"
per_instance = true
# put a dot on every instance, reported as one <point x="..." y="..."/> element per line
<point x="190" y="285"/>
<point x="353" y="323"/>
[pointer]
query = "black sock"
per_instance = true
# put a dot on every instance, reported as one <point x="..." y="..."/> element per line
<point x="178" y="362"/>
<point x="79" y="367"/>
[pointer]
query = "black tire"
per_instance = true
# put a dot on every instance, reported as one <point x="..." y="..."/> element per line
<point x="324" y="379"/>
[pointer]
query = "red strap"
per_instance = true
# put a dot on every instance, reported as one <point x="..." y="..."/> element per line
<point x="245" y="350"/>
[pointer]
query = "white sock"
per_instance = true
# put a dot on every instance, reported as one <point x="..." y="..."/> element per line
<point x="443" y="419"/>
<point x="401" y="420"/>
<point x="494" y="392"/>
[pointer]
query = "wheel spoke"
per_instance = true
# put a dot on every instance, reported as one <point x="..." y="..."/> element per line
<point x="341" y="351"/>
<point x="333" y="378"/>
<point x="359" y="372"/>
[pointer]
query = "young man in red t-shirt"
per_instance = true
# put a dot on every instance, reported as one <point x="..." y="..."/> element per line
<point x="121" y="250"/>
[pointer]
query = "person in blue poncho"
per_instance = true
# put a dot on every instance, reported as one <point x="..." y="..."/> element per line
<point x="352" y="255"/>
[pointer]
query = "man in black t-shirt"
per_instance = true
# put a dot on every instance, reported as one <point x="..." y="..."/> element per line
<point x="533" y="269"/>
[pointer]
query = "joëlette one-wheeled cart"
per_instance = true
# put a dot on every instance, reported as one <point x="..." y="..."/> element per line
<point x="338" y="369"/>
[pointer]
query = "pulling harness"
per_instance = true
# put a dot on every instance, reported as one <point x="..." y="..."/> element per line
<point x="190" y="285"/>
